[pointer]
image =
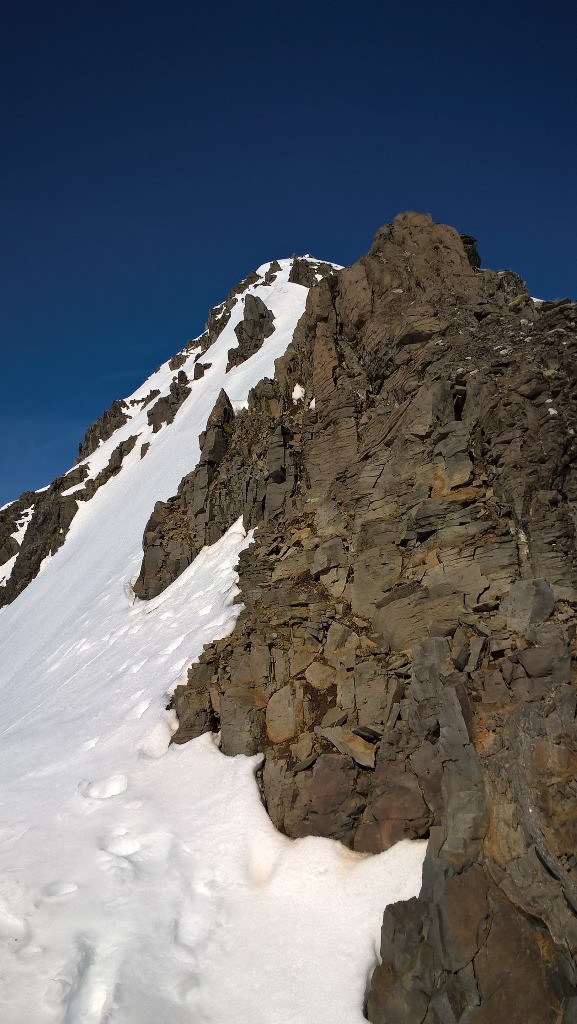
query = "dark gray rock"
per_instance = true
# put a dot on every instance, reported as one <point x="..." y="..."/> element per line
<point x="256" y="325"/>
<point x="414" y="531"/>
<point x="529" y="604"/>
<point x="104" y="427"/>
<point x="307" y="272"/>
<point x="470" y="247"/>
<point x="166" y="408"/>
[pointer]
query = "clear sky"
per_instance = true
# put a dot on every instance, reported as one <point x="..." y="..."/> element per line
<point x="153" y="152"/>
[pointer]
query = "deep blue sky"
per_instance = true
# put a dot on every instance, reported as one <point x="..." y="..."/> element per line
<point x="155" y="151"/>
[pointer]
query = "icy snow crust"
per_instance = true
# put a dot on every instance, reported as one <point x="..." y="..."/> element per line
<point x="142" y="884"/>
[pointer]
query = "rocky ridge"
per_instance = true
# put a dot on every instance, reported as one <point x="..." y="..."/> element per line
<point x="50" y="511"/>
<point x="405" y="654"/>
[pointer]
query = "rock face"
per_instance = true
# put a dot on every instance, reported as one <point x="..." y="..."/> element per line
<point x="304" y="270"/>
<point x="256" y="325"/>
<point x="179" y="528"/>
<point x="166" y="408"/>
<point x="308" y="272"/>
<point x="405" y="653"/>
<point x="51" y="513"/>
<point x="103" y="428"/>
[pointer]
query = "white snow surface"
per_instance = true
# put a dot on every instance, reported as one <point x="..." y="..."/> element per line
<point x="22" y="524"/>
<point x="6" y="570"/>
<point x="142" y="883"/>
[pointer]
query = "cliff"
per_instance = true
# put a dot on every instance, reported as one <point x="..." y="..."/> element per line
<point x="404" y="657"/>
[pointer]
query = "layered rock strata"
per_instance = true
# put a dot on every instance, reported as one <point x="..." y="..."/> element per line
<point x="405" y="654"/>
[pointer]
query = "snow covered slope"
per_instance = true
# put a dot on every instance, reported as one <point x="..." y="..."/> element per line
<point x="141" y="883"/>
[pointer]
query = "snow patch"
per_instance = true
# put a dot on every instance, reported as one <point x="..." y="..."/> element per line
<point x="22" y="524"/>
<point x="6" y="570"/>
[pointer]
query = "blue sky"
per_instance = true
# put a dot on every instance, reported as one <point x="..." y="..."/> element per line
<point x="153" y="152"/>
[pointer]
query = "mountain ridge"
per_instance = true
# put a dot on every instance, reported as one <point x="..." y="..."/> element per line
<point x="404" y="653"/>
<point x="161" y="396"/>
<point x="421" y="614"/>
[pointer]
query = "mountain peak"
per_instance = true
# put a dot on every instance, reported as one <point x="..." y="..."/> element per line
<point x="335" y="534"/>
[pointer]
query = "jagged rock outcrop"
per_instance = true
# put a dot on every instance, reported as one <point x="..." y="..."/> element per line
<point x="50" y="514"/>
<point x="8" y="525"/>
<point x="50" y="517"/>
<point x="220" y="315"/>
<point x="179" y="528"/>
<point x="103" y="428"/>
<point x="200" y="370"/>
<point x="405" y="654"/>
<point x="304" y="270"/>
<point x="256" y="325"/>
<point x="308" y="272"/>
<point x="166" y="407"/>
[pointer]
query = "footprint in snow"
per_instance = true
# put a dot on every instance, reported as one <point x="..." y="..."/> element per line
<point x="84" y="987"/>
<point x="121" y="870"/>
<point x="120" y="843"/>
<point x="60" y="890"/>
<point x="118" y="855"/>
<point x="13" y="928"/>
<point x="195" y="923"/>
<point x="103" y="790"/>
<point x="14" y="907"/>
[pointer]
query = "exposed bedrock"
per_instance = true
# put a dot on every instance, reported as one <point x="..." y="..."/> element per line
<point x="166" y="407"/>
<point x="256" y="325"/>
<point x="50" y="515"/>
<point x="307" y="272"/>
<point x="405" y="653"/>
<point x="103" y="428"/>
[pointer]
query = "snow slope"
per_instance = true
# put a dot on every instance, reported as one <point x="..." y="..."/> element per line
<point x="142" y="884"/>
